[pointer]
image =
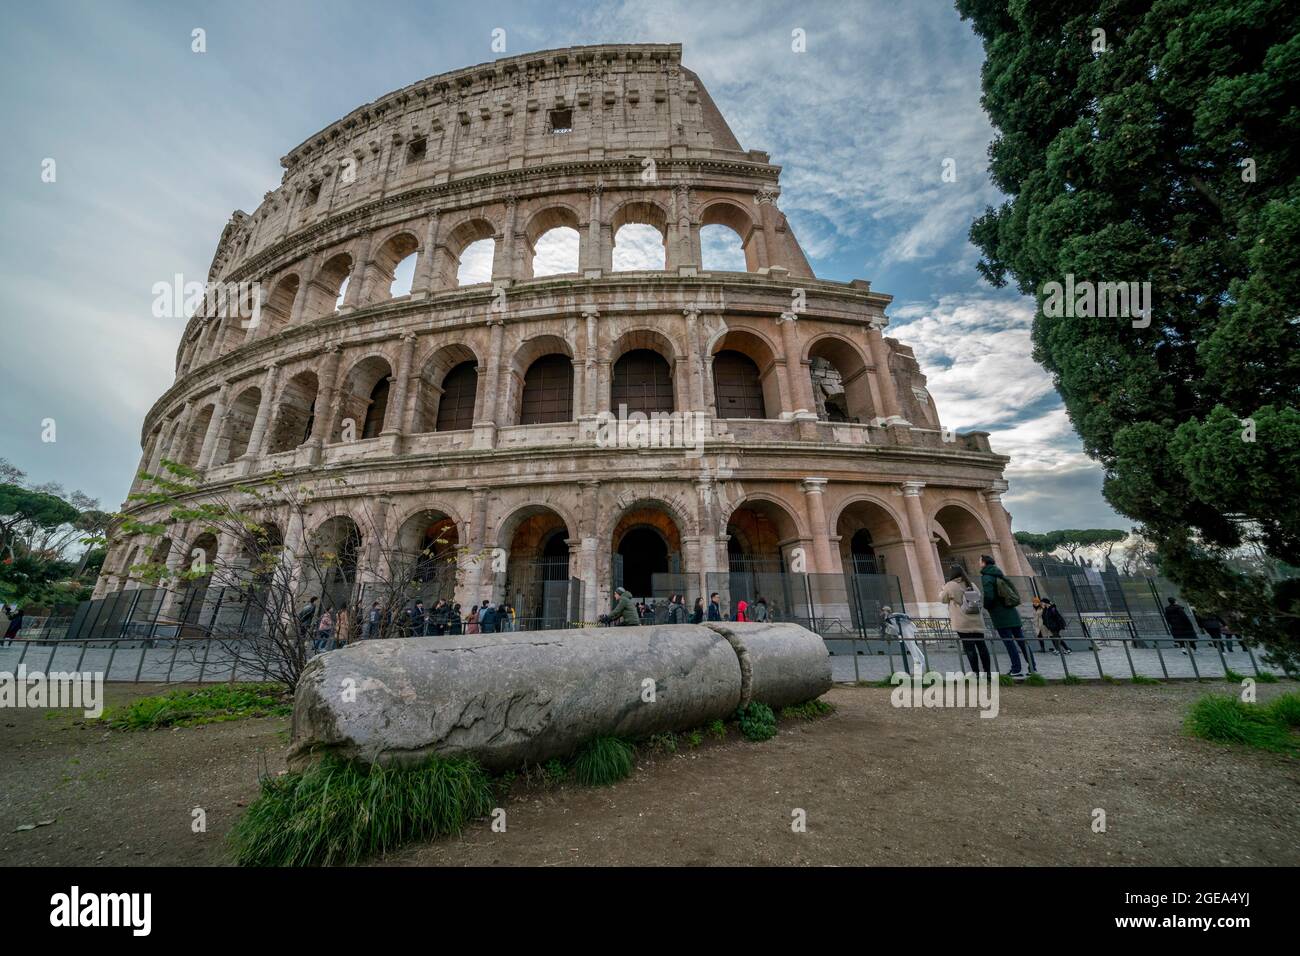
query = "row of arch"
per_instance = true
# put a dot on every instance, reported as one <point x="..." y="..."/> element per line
<point x="646" y="537"/>
<point x="447" y="392"/>
<point x="552" y="240"/>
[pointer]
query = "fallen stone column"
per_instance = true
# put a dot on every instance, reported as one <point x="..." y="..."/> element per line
<point x="525" y="697"/>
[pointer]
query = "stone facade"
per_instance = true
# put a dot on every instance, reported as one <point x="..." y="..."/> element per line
<point x="482" y="409"/>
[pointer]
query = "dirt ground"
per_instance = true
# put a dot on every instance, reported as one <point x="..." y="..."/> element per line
<point x="879" y="786"/>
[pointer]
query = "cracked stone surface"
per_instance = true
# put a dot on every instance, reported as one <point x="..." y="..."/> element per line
<point x="514" y="699"/>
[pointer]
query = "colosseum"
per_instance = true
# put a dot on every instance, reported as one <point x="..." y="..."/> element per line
<point x="502" y="409"/>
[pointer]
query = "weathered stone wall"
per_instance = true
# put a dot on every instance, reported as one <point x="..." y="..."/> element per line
<point x="474" y="155"/>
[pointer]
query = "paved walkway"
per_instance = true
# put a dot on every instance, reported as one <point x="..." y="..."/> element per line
<point x="191" y="661"/>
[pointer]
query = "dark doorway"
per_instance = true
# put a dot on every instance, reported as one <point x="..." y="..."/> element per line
<point x="644" y="553"/>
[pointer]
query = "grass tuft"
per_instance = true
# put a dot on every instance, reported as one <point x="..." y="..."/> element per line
<point x="603" y="761"/>
<point x="1071" y="679"/>
<point x="662" y="743"/>
<point x="808" y="710"/>
<point x="1229" y="720"/>
<point x="757" y="722"/>
<point x="1036" y="680"/>
<point x="1142" y="679"/>
<point x="718" y="729"/>
<point x="1230" y="675"/>
<point x="186" y="708"/>
<point x="1264" y="677"/>
<point x="341" y="811"/>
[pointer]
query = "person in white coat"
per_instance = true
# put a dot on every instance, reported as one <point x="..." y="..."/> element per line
<point x="900" y="627"/>
<point x="964" y="602"/>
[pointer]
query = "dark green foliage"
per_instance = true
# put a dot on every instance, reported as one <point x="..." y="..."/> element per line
<point x="662" y="743"/>
<point x="1140" y="679"/>
<point x="1036" y="680"/>
<point x="1071" y="679"/>
<point x="603" y="761"/>
<point x="1229" y="720"/>
<point x="185" y="708"/>
<point x="340" y="812"/>
<point x="1171" y="157"/>
<point x="718" y="729"/>
<point x="555" y="771"/>
<point x="757" y="722"/>
<point x="808" y="710"/>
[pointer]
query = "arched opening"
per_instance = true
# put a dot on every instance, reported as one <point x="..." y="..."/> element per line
<point x="721" y="250"/>
<point x="759" y="534"/>
<point x="364" y="400"/>
<point x="647" y="553"/>
<point x="436" y="386"/>
<point x="427" y="547"/>
<point x="536" y="581"/>
<point x="335" y="561"/>
<point x="958" y="539"/>
<point x="553" y="243"/>
<point x="198" y="566"/>
<point x="547" y="395"/>
<point x="727" y="239"/>
<point x="194" y="439"/>
<point x="737" y="385"/>
<point x="640" y="231"/>
<point x="293" y="424"/>
<point x="761" y="538"/>
<point x="862" y="554"/>
<point x="873" y="554"/>
<point x="840" y="384"/>
<point x="239" y="426"/>
<point x="456" y="405"/>
<point x="329" y="287"/>
<point x="277" y="310"/>
<point x="471" y="247"/>
<point x="394" y="267"/>
<point x="642" y="381"/>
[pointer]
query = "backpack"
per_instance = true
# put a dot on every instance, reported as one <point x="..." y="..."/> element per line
<point x="1006" y="592"/>
<point x="971" y="600"/>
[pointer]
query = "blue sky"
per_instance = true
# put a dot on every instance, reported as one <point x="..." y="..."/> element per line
<point x="155" y="145"/>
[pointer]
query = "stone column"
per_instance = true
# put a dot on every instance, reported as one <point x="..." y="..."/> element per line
<point x="884" y="378"/>
<point x="395" y="420"/>
<point x="323" y="423"/>
<point x="305" y="278"/>
<point x="215" y="425"/>
<point x="679" y="252"/>
<point x="695" y="358"/>
<point x="503" y="263"/>
<point x="590" y="556"/>
<point x="594" y="253"/>
<point x="357" y="281"/>
<point x="480" y="560"/>
<point x="800" y="384"/>
<point x="177" y="443"/>
<point x="1009" y="555"/>
<point x="589" y="371"/>
<point x="931" y="576"/>
<point x="815" y="502"/>
<point x="426" y="271"/>
<point x="485" y="430"/>
<point x="767" y="215"/>
<point x="257" y="436"/>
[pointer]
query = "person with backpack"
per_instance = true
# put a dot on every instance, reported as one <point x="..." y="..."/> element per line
<point x="624" y="612"/>
<point x="1054" y="621"/>
<point x="677" y="610"/>
<point x="759" y="610"/>
<point x="964" y="604"/>
<point x="899" y="627"/>
<point x="1212" y="625"/>
<point x="1001" y="600"/>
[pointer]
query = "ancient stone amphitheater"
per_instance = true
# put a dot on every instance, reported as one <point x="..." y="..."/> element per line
<point x="499" y="411"/>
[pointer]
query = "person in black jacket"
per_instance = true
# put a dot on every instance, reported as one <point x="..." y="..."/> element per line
<point x="1054" y="621"/>
<point x="418" y="618"/>
<point x="697" y="615"/>
<point x="715" y="612"/>
<point x="1180" y="625"/>
<point x="453" y="621"/>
